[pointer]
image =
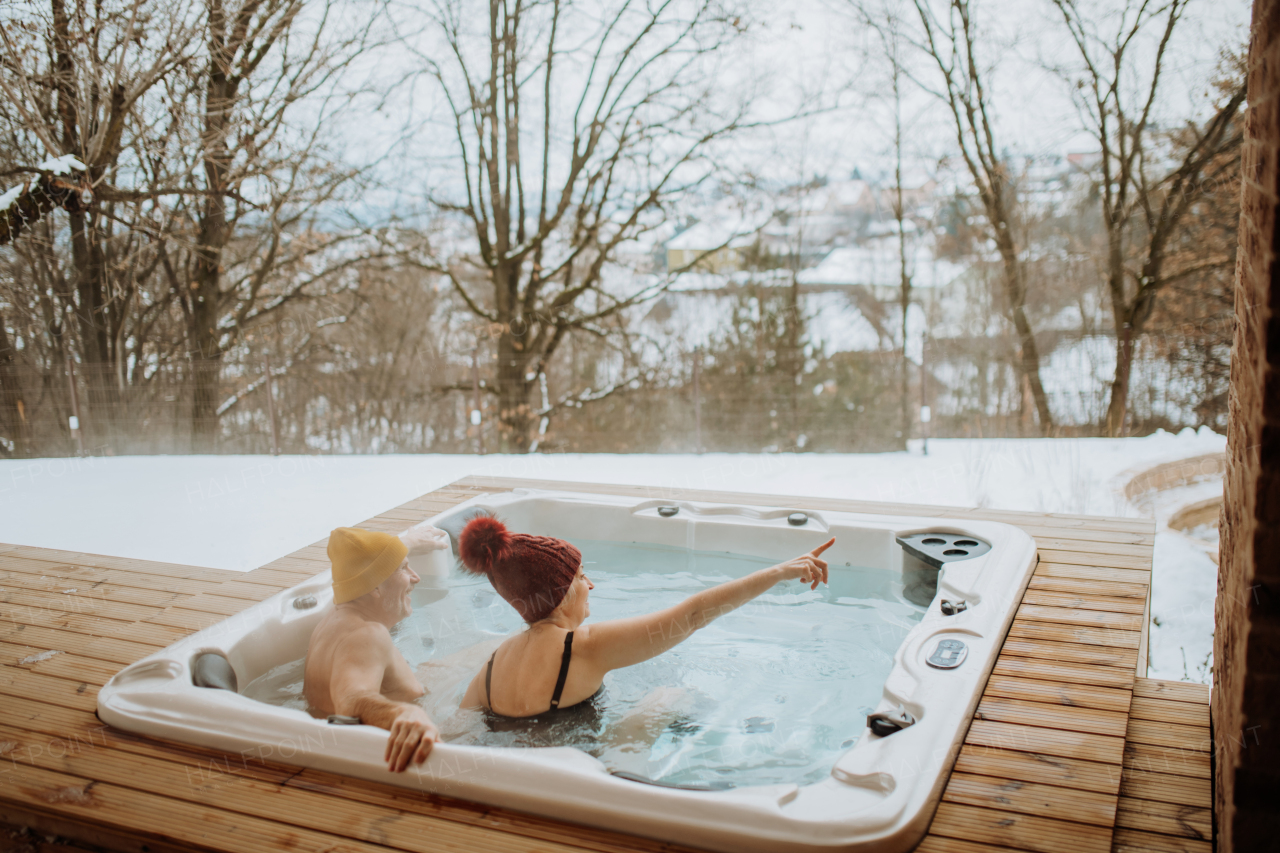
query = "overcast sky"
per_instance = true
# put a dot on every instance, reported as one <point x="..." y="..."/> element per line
<point x="815" y="53"/>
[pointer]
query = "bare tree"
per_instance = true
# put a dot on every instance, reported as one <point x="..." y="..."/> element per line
<point x="951" y="41"/>
<point x="257" y="63"/>
<point x="888" y="26"/>
<point x="206" y="197"/>
<point x="1145" y="189"/>
<point x="573" y="130"/>
<point x="76" y="77"/>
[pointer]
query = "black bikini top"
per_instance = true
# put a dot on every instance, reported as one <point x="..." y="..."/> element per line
<point x="560" y="680"/>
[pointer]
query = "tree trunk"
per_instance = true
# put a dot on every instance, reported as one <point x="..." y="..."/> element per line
<point x="516" y="418"/>
<point x="1029" y="355"/>
<point x="795" y="355"/>
<point x="205" y="346"/>
<point x="206" y="283"/>
<point x="13" y="418"/>
<point x="207" y="373"/>
<point x="1030" y="364"/>
<point x="1118" y="406"/>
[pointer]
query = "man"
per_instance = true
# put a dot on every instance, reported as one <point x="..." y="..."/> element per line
<point x="353" y="668"/>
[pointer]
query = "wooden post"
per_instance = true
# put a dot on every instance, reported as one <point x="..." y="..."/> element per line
<point x="1246" y="666"/>
<point x="271" y="409"/>
<point x="697" y="399"/>
<point x="75" y="405"/>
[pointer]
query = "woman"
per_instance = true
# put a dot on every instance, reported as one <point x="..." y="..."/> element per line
<point x="559" y="662"/>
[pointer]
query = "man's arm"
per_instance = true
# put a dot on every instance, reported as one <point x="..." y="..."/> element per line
<point x="359" y="667"/>
<point x="423" y="539"/>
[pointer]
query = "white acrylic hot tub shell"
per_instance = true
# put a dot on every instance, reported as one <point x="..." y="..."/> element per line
<point x="881" y="793"/>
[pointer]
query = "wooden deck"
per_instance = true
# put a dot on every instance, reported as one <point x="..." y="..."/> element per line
<point x="1069" y="752"/>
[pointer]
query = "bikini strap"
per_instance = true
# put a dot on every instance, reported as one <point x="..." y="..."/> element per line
<point x="564" y="670"/>
<point x="488" y="679"/>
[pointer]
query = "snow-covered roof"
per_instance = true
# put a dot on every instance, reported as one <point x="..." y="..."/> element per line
<point x="689" y="282"/>
<point x="694" y="317"/>
<point x="715" y="233"/>
<point x="876" y="264"/>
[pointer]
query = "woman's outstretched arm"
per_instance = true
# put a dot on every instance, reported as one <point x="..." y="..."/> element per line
<point x="623" y="642"/>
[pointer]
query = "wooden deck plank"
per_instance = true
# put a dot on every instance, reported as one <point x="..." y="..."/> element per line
<point x="1167" y="711"/>
<point x="16" y="683"/>
<point x="1110" y="723"/>
<point x="115" y="805"/>
<point x="277" y="579"/>
<point x="1019" y="831"/>
<point x="1080" y="586"/>
<point x="942" y="844"/>
<point x="68" y="586"/>
<point x="161" y="569"/>
<point x="1165" y="819"/>
<point x="1111" y="638"/>
<point x="209" y="771"/>
<point x="57" y="663"/>
<point x="1059" y="693"/>
<point x="1164" y="759"/>
<point x="1083" y="618"/>
<point x="165" y="784"/>
<point x="1178" y="691"/>
<point x="11" y="566"/>
<point x="215" y="605"/>
<point x="1084" y="746"/>
<point x="1167" y="788"/>
<point x="1031" y="798"/>
<point x="1135" y="841"/>
<point x="1099" y="676"/>
<point x="1050" y="569"/>
<point x="1035" y="767"/>
<point x="92" y="626"/>
<point x="1067" y="742"/>
<point x="1095" y="560"/>
<point x="1086" y="544"/>
<point x="1058" y="652"/>
<point x="15" y="603"/>
<point x="112" y="649"/>
<point x="1194" y="738"/>
<point x="1085" y="601"/>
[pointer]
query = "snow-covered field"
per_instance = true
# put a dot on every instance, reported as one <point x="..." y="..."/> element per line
<point x="238" y="512"/>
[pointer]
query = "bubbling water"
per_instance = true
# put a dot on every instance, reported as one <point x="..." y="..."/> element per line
<point x="771" y="693"/>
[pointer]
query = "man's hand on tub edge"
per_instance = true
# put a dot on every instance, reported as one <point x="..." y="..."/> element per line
<point x="412" y="736"/>
<point x="424" y="538"/>
<point x="808" y="568"/>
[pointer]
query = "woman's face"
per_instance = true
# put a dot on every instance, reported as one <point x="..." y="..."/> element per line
<point x="576" y="602"/>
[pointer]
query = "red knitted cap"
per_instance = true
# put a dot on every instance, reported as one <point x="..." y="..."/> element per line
<point x="533" y="573"/>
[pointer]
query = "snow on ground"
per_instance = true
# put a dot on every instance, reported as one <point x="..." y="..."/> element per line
<point x="1183" y="590"/>
<point x="238" y="512"/>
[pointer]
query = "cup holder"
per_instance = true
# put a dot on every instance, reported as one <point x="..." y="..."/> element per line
<point x="937" y="548"/>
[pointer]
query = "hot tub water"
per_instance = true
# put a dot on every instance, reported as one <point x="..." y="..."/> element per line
<point x="771" y="693"/>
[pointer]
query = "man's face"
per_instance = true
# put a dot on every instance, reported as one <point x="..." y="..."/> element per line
<point x="394" y="591"/>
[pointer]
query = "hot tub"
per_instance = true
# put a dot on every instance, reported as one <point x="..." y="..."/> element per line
<point x="866" y="774"/>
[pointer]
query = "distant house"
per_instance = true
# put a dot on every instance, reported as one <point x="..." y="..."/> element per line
<point x="714" y="246"/>
<point x="875" y="266"/>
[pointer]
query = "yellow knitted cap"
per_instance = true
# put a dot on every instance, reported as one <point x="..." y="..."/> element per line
<point x="362" y="559"/>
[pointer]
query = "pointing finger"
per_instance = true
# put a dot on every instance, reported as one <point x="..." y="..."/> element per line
<point x="824" y="546"/>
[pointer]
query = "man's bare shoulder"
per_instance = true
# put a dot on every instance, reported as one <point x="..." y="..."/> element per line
<point x="352" y="629"/>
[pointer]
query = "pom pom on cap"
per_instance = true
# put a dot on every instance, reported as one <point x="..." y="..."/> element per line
<point x="484" y="542"/>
